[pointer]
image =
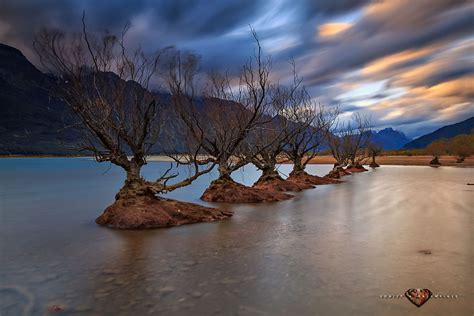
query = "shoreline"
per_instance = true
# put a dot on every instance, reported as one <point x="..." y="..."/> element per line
<point x="399" y="160"/>
<point x="395" y="160"/>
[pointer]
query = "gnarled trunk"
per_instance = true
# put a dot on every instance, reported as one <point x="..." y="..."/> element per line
<point x="298" y="167"/>
<point x="269" y="174"/>
<point x="225" y="189"/>
<point x="374" y="164"/>
<point x="135" y="187"/>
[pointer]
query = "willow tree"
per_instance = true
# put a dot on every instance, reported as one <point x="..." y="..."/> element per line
<point x="105" y="84"/>
<point x="349" y="145"/>
<point x="357" y="135"/>
<point x="312" y="123"/>
<point x="269" y="141"/>
<point x="274" y="138"/>
<point x="374" y="149"/>
<point x="222" y="115"/>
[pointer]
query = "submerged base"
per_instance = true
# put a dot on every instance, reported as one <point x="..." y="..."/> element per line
<point x="232" y="192"/>
<point x="277" y="183"/>
<point x="356" y="168"/>
<point x="337" y="172"/>
<point x="373" y="164"/>
<point x="306" y="181"/>
<point x="154" y="212"/>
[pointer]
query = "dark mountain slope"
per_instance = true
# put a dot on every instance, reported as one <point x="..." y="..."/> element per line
<point x="448" y="131"/>
<point x="390" y="139"/>
<point x="29" y="118"/>
<point x="32" y="122"/>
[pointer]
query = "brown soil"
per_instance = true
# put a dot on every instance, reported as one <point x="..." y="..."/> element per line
<point x="232" y="192"/>
<point x="357" y="168"/>
<point x="305" y="180"/>
<point x="336" y="173"/>
<point x="153" y="212"/>
<point x="277" y="183"/>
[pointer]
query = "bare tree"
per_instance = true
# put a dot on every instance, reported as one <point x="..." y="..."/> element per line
<point x="270" y="140"/>
<point x="374" y="149"/>
<point x="225" y="116"/>
<point x="348" y="144"/>
<point x="436" y="149"/>
<point x="106" y="86"/>
<point x="311" y="122"/>
<point x="357" y="137"/>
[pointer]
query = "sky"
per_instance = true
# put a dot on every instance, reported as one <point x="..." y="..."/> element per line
<point x="407" y="63"/>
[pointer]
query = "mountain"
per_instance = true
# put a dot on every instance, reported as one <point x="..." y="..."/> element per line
<point x="449" y="131"/>
<point x="29" y="118"/>
<point x="32" y="122"/>
<point x="390" y="139"/>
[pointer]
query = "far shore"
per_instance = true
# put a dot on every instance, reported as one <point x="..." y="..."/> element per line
<point x="415" y="160"/>
<point x="421" y="160"/>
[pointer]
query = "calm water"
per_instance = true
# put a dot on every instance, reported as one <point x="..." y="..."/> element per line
<point x="330" y="251"/>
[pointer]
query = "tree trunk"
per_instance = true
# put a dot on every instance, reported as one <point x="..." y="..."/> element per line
<point x="298" y="166"/>
<point x="270" y="173"/>
<point x="135" y="186"/>
<point x="374" y="164"/>
<point x="224" y="173"/>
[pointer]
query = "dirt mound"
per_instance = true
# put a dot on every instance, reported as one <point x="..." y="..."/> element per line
<point x="153" y="212"/>
<point x="305" y="180"/>
<point x="337" y="172"/>
<point x="277" y="184"/>
<point x="357" y="168"/>
<point x="232" y="192"/>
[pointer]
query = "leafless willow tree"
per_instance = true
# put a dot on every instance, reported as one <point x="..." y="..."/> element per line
<point x="271" y="139"/>
<point x="106" y="85"/>
<point x="374" y="149"/>
<point x="311" y="124"/>
<point x="349" y="143"/>
<point x="229" y="110"/>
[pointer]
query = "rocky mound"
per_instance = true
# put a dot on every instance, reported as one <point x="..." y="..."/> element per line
<point x="277" y="183"/>
<point x="232" y="192"/>
<point x="356" y="168"/>
<point x="305" y="180"/>
<point x="153" y="212"/>
<point x="337" y="172"/>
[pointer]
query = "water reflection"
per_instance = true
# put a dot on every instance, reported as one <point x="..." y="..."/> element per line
<point x="329" y="251"/>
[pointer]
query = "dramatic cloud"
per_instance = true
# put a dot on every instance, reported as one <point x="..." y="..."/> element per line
<point x="408" y="63"/>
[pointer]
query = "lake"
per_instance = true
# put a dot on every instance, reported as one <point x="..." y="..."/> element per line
<point x="332" y="250"/>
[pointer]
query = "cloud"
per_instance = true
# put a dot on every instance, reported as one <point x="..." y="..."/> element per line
<point x="406" y="62"/>
<point x="332" y="29"/>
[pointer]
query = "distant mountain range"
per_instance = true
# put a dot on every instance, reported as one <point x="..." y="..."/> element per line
<point x="448" y="131"/>
<point x="390" y="139"/>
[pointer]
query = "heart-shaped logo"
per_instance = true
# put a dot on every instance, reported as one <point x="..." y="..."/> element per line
<point x="418" y="296"/>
